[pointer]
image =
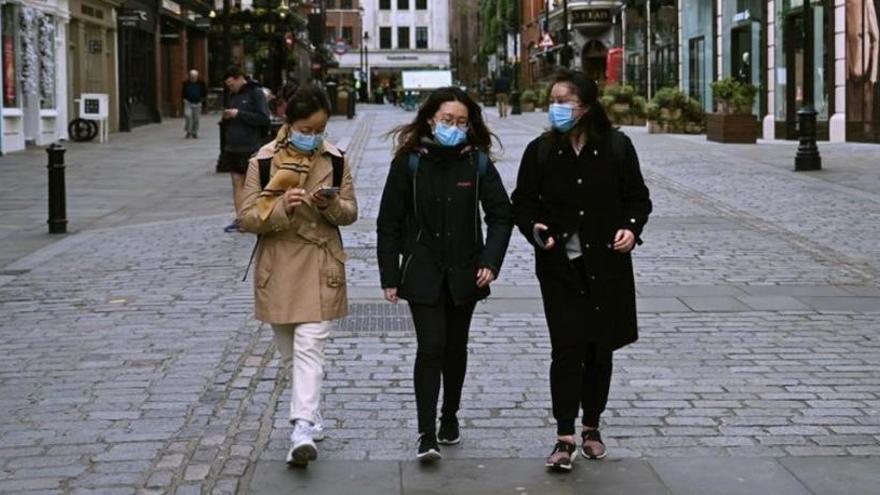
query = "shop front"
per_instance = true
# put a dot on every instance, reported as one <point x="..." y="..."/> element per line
<point x="650" y="33"/>
<point x="34" y="73"/>
<point x="138" y="92"/>
<point x="183" y="46"/>
<point x="862" y="67"/>
<point x="742" y="46"/>
<point x="92" y="55"/>
<point x="698" y="40"/>
<point x="268" y="44"/>
<point x="790" y="65"/>
<point x="594" y="30"/>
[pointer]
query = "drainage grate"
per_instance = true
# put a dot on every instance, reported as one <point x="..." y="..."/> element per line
<point x="376" y="319"/>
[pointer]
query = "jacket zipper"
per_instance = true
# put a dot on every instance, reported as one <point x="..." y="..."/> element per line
<point x="408" y="259"/>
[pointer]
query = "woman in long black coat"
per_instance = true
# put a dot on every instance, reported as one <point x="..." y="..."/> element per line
<point x="431" y="249"/>
<point x="580" y="200"/>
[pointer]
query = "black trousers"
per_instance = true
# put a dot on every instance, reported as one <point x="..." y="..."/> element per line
<point x="442" y="336"/>
<point x="580" y="377"/>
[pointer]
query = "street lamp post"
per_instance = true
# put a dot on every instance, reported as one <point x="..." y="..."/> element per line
<point x="565" y="60"/>
<point x="807" y="156"/>
<point x="367" y="64"/>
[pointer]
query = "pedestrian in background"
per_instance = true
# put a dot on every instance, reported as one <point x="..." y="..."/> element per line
<point x="502" y="94"/>
<point x="580" y="200"/>
<point x="245" y="121"/>
<point x="430" y="216"/>
<point x="193" y="94"/>
<point x="299" y="276"/>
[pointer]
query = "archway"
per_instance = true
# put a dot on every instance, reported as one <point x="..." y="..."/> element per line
<point x="594" y="59"/>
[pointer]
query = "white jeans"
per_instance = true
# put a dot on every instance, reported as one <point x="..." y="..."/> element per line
<point x="302" y="346"/>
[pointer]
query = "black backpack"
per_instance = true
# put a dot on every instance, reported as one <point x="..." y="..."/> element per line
<point x="266" y="174"/>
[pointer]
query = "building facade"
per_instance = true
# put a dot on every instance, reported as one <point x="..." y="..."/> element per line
<point x="464" y="36"/>
<point x="34" y="104"/>
<point x="688" y="44"/>
<point x="405" y="35"/>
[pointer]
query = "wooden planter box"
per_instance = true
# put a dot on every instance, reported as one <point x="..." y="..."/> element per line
<point x="528" y="107"/>
<point x="725" y="128"/>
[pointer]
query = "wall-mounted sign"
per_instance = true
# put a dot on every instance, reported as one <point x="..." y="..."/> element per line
<point x="401" y="57"/>
<point x="591" y="16"/>
<point x="132" y="17"/>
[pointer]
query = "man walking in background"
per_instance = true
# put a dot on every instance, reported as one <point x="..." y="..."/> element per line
<point x="194" y="93"/>
<point x="245" y="123"/>
<point x="502" y="93"/>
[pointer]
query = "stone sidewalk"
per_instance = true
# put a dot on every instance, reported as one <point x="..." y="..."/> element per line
<point x="130" y="363"/>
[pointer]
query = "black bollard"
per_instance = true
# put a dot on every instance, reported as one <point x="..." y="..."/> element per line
<point x="57" y="194"/>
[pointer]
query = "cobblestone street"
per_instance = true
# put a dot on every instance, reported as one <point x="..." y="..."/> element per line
<point x="130" y="362"/>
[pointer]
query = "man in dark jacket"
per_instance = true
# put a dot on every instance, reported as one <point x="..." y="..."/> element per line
<point x="245" y="122"/>
<point x="193" y="94"/>
<point x="502" y="93"/>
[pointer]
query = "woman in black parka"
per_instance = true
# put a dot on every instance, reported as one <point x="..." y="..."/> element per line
<point x="431" y="249"/>
<point x="580" y="200"/>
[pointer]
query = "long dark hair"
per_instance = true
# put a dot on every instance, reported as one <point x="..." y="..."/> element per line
<point x="407" y="137"/>
<point x="306" y="100"/>
<point x="595" y="122"/>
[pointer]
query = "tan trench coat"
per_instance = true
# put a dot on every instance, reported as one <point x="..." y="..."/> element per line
<point x="299" y="274"/>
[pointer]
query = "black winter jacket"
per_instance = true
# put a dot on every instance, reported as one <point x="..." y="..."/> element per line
<point x="429" y="228"/>
<point x="246" y="132"/>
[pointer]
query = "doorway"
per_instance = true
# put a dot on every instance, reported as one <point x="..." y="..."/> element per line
<point x="594" y="58"/>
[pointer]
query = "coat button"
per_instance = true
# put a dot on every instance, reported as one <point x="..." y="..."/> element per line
<point x="597" y="308"/>
<point x="580" y="181"/>
<point x="436" y="234"/>
<point x="559" y="152"/>
<point x="313" y="224"/>
<point x="565" y="235"/>
<point x="587" y="246"/>
<point x="592" y="277"/>
<point x="632" y="220"/>
<point x="595" y="152"/>
<point x="581" y="213"/>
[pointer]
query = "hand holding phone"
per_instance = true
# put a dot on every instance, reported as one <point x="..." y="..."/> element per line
<point x="328" y="192"/>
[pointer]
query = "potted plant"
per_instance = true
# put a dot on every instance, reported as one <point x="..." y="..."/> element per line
<point x="732" y="122"/>
<point x="528" y="100"/>
<point x="542" y="94"/>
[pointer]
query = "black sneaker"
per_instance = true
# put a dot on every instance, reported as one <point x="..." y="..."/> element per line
<point x="429" y="451"/>
<point x="562" y="457"/>
<point x="448" y="433"/>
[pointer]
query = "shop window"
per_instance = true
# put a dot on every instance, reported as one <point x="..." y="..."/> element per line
<point x="422" y="38"/>
<point x="402" y="4"/>
<point x="862" y="73"/>
<point x="403" y="37"/>
<point x="421" y="4"/>
<point x="384" y="4"/>
<point x="28" y="56"/>
<point x="385" y="37"/>
<point x="345" y="4"/>
<point x="347" y="34"/>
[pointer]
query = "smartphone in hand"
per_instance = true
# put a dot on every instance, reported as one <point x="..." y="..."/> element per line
<point x="328" y="192"/>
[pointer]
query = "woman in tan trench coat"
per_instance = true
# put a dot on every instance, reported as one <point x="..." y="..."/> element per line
<point x="299" y="279"/>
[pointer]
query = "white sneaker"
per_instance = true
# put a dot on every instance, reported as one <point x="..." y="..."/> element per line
<point x="302" y="445"/>
<point x="318" y="428"/>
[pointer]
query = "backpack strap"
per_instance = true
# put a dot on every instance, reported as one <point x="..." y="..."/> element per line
<point x="338" y="168"/>
<point x="265" y="171"/>
<point x="482" y="163"/>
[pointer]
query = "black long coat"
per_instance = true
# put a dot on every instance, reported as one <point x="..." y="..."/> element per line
<point x="429" y="229"/>
<point x="593" y="194"/>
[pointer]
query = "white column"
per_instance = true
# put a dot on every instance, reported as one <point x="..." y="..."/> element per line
<point x="837" y="122"/>
<point x="719" y="39"/>
<point x="681" y="52"/>
<point x="769" y="123"/>
<point x="61" y="79"/>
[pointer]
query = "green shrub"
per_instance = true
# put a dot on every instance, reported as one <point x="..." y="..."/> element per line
<point x="528" y="96"/>
<point x="733" y="96"/>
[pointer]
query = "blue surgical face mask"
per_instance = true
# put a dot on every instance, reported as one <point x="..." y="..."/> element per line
<point x="449" y="135"/>
<point x="562" y="117"/>
<point x="305" y="142"/>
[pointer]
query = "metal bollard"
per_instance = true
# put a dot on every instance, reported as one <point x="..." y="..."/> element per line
<point x="57" y="194"/>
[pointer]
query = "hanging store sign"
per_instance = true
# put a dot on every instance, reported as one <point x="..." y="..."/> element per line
<point x="591" y="16"/>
